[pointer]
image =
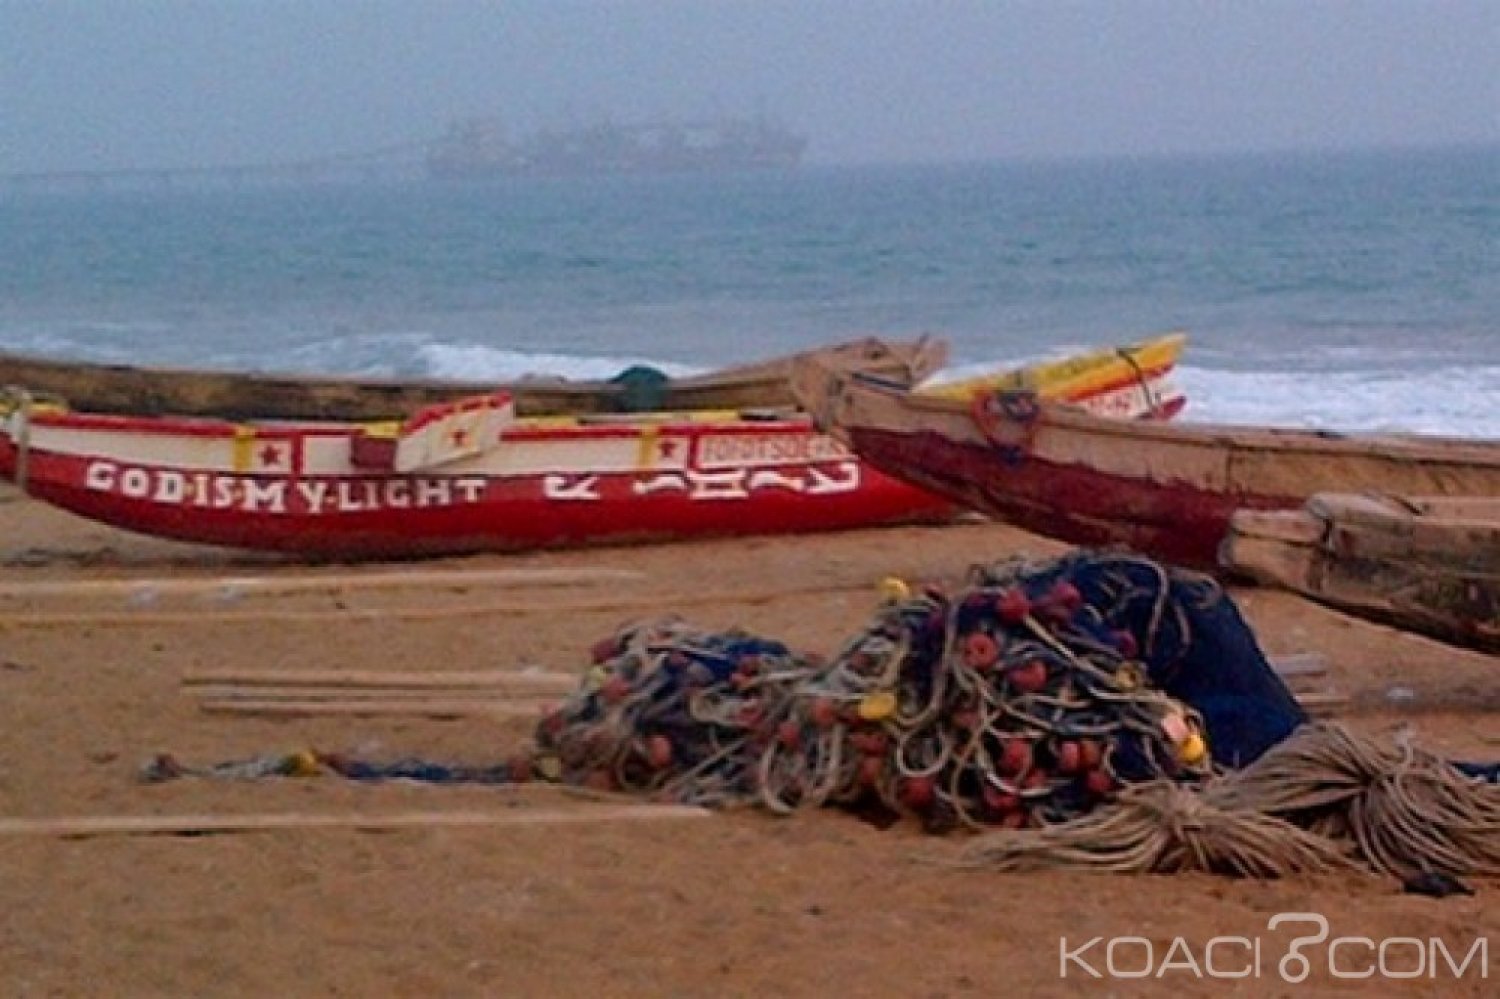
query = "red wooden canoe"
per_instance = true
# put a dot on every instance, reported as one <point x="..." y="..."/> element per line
<point x="1165" y="489"/>
<point x="471" y="476"/>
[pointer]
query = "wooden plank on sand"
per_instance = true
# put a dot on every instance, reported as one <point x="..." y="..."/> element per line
<point x="496" y="680"/>
<point x="318" y="582"/>
<point x="149" y="825"/>
<point x="392" y="695"/>
<point x="430" y="707"/>
<point x="1322" y="704"/>
<point x="650" y="604"/>
<point x="1299" y="664"/>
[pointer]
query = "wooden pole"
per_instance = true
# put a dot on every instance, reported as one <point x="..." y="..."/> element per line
<point x="317" y="582"/>
<point x="657" y="603"/>
<point x="427" y="707"/>
<point x="1322" y="704"/>
<point x="156" y="825"/>
<point x="381" y="694"/>
<point x="1300" y="664"/>
<point x="490" y="680"/>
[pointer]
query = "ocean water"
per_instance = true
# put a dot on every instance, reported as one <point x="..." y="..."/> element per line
<point x="1346" y="291"/>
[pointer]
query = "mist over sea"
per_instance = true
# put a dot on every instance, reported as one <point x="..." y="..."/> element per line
<point x="1345" y="291"/>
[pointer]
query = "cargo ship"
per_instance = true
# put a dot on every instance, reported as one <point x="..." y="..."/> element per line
<point x="478" y="148"/>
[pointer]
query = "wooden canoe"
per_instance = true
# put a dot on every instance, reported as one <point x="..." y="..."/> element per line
<point x="472" y="476"/>
<point x="148" y="391"/>
<point x="1424" y="564"/>
<point x="1165" y="489"/>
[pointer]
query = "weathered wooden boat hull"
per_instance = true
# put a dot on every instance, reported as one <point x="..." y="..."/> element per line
<point x="312" y="489"/>
<point x="1423" y="564"/>
<point x="1166" y="489"/>
<point x="133" y="390"/>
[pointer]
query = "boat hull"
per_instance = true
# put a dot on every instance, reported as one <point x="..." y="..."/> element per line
<point x="1168" y="490"/>
<point x="1425" y="565"/>
<point x="568" y="489"/>
<point x="332" y="490"/>
<point x="1174" y="521"/>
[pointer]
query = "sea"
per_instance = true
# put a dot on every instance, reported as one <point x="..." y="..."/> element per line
<point x="1353" y="290"/>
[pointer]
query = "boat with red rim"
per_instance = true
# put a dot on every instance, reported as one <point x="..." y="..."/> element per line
<point x="1165" y="489"/>
<point x="472" y="475"/>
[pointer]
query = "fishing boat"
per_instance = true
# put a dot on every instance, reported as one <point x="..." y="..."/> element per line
<point x="1421" y="563"/>
<point x="237" y="395"/>
<point x="473" y="475"/>
<point x="1165" y="489"/>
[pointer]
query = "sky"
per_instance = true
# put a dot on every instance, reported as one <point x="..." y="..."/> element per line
<point x="101" y="84"/>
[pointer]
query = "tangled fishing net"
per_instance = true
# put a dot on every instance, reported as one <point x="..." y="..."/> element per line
<point x="1008" y="702"/>
<point x="1065" y="709"/>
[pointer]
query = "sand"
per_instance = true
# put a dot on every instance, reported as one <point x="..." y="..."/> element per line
<point x="733" y="904"/>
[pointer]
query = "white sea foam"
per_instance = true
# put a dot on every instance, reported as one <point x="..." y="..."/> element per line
<point x="1456" y="401"/>
<point x="479" y="363"/>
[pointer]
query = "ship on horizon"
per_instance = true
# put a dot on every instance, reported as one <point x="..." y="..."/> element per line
<point x="477" y="148"/>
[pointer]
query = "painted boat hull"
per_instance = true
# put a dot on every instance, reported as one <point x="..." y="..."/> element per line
<point x="298" y="492"/>
<point x="1167" y="490"/>
<point x="311" y="488"/>
<point x="1423" y="564"/>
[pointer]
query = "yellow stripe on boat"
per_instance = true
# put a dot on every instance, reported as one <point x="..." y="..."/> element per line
<point x="645" y="455"/>
<point x="386" y="430"/>
<point x="1079" y="374"/>
<point x="243" y="455"/>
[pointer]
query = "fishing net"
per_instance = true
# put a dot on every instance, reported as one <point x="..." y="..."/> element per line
<point x="1012" y="700"/>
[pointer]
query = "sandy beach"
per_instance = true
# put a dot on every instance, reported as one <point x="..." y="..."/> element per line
<point x="738" y="903"/>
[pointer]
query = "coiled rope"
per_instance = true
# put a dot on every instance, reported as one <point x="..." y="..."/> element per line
<point x="1326" y="799"/>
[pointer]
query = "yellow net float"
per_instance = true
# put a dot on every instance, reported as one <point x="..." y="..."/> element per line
<point x="303" y="764"/>
<point x="877" y="706"/>
<point x="1193" y="749"/>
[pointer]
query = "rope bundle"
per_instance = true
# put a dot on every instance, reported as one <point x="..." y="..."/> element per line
<point x="1405" y="810"/>
<point x="1162" y="827"/>
<point x="1325" y="799"/>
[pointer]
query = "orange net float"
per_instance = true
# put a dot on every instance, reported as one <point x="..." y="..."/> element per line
<point x="1029" y="677"/>
<point x="1068" y="756"/>
<point x="1015" y="758"/>
<point x="1013" y="606"/>
<point x="980" y="651"/>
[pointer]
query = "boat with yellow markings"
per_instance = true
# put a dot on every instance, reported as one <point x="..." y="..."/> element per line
<point x="473" y="475"/>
